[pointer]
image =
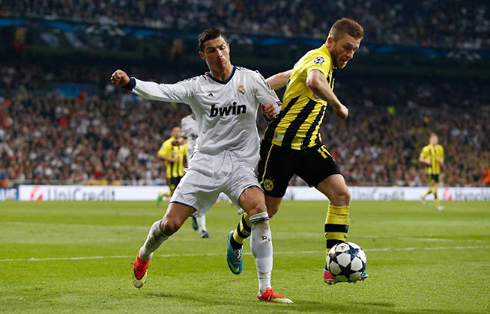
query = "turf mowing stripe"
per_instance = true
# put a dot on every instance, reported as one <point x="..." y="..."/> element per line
<point x="310" y="234"/>
<point x="386" y="249"/>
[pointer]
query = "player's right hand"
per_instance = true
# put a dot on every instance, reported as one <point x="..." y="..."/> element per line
<point x="119" y="78"/>
<point x="342" y="112"/>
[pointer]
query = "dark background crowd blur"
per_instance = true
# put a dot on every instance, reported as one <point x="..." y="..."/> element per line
<point x="424" y="67"/>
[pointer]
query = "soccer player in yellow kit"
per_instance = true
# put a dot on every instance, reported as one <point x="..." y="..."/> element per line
<point x="173" y="152"/>
<point x="432" y="156"/>
<point x="292" y="142"/>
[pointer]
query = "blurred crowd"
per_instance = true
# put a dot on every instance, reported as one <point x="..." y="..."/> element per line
<point x="86" y="140"/>
<point x="390" y="121"/>
<point x="113" y="138"/>
<point x="435" y="23"/>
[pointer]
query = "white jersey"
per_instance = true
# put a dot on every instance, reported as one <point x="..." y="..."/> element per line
<point x="190" y="130"/>
<point x="226" y="112"/>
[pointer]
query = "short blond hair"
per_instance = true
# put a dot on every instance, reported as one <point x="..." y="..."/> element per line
<point x="346" y="26"/>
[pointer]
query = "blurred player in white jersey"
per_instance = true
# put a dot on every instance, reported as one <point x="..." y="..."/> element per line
<point x="225" y="101"/>
<point x="190" y="131"/>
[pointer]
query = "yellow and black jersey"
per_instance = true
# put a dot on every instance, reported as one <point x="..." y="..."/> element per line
<point x="170" y="150"/>
<point x="434" y="153"/>
<point x="298" y="124"/>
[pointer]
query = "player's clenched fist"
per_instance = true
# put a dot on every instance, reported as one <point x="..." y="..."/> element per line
<point x="119" y="78"/>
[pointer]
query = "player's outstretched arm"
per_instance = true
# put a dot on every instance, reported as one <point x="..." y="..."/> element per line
<point x="178" y="92"/>
<point x="318" y="84"/>
<point x="279" y="80"/>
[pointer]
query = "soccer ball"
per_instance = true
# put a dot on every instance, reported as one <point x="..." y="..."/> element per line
<point x="346" y="261"/>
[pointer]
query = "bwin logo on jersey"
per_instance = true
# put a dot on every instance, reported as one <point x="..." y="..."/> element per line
<point x="226" y="111"/>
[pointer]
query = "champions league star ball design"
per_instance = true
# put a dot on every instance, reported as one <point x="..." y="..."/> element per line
<point x="346" y="261"/>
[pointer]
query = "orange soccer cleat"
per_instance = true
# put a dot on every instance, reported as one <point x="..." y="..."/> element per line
<point x="270" y="296"/>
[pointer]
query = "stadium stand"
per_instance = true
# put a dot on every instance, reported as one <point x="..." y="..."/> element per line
<point x="462" y="24"/>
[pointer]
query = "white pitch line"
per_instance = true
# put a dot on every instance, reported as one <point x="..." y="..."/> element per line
<point x="386" y="249"/>
<point x="315" y="235"/>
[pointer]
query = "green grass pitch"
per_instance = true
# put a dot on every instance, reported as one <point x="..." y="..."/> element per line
<point x="75" y="257"/>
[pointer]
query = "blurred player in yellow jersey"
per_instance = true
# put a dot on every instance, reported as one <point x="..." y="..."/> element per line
<point x="174" y="152"/>
<point x="432" y="156"/>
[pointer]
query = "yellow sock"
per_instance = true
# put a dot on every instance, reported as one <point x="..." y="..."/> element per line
<point x="427" y="193"/>
<point x="436" y="200"/>
<point x="243" y="230"/>
<point x="336" y="225"/>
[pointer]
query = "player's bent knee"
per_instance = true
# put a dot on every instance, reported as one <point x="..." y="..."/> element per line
<point x="252" y="201"/>
<point x="346" y="195"/>
<point x="341" y="198"/>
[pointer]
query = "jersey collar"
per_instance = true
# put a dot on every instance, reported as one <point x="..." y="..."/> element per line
<point x="327" y="52"/>
<point x="222" y="82"/>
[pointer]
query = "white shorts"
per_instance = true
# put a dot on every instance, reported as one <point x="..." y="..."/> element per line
<point x="208" y="176"/>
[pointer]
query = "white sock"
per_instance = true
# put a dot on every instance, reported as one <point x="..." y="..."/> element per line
<point x="153" y="241"/>
<point x="201" y="223"/>
<point x="261" y="246"/>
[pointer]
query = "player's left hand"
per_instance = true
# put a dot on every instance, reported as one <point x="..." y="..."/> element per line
<point x="268" y="111"/>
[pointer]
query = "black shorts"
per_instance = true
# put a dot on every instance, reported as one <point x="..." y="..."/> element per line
<point x="278" y="164"/>
<point x="172" y="182"/>
<point x="433" y="178"/>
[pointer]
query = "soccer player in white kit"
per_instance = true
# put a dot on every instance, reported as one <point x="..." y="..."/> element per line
<point x="225" y="102"/>
<point x="190" y="131"/>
